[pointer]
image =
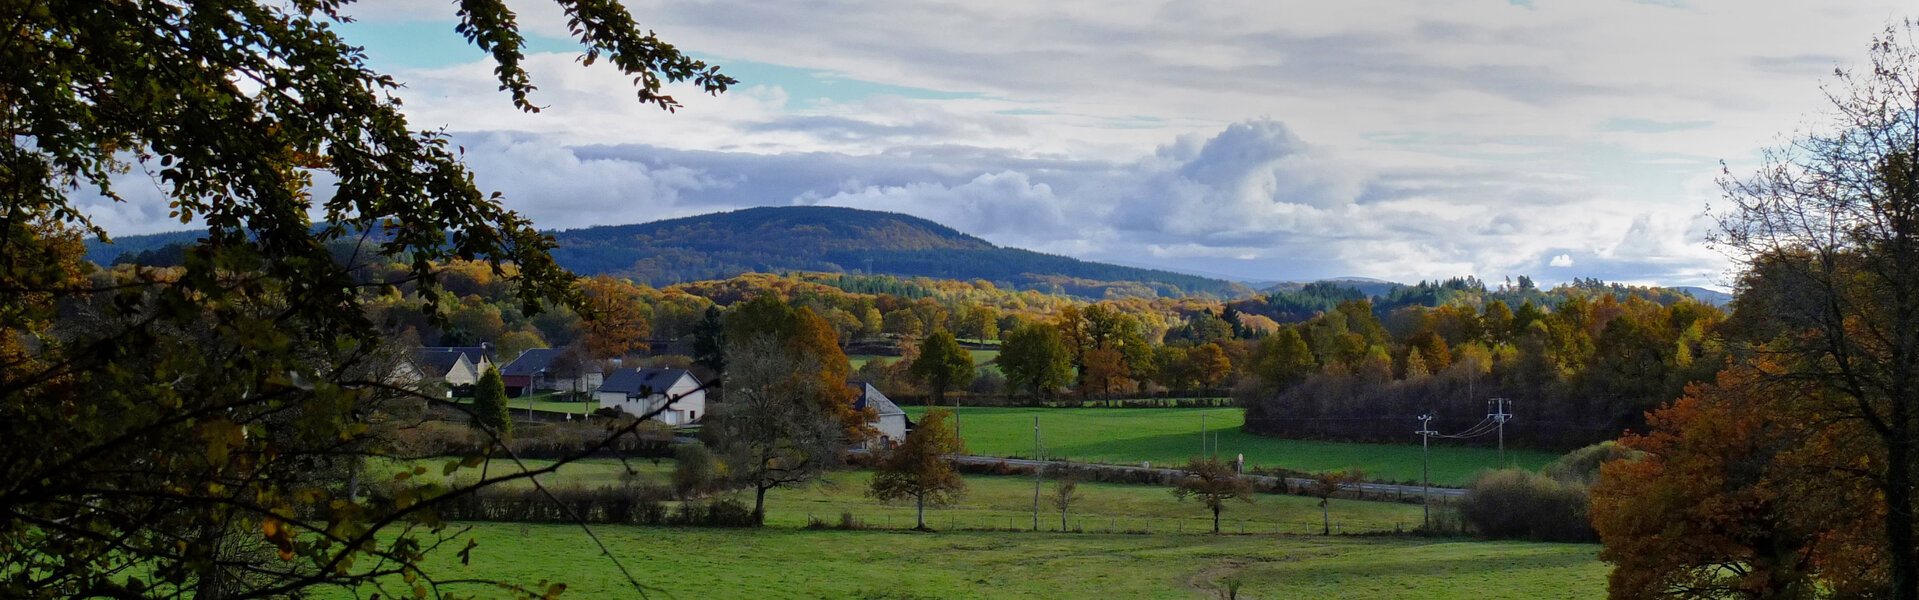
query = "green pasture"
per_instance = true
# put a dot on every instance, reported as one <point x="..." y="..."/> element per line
<point x="791" y="563"/>
<point x="980" y="357"/>
<point x="994" y="502"/>
<point x="1168" y="436"/>
<point x="544" y="401"/>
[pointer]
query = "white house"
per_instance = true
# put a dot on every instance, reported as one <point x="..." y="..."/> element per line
<point x="640" y="391"/>
<point x="890" y="421"/>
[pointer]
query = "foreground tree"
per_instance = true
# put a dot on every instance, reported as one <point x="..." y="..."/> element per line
<point x="1734" y="497"/>
<point x="1829" y="231"/>
<point x="187" y="432"/>
<point x="1212" y="482"/>
<point x="942" y="365"/>
<point x="921" y="467"/>
<point x="769" y="431"/>
<point x="788" y="413"/>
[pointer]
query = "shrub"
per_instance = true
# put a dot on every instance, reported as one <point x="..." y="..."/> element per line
<point x="1581" y="466"/>
<point x="695" y="470"/>
<point x="1520" y="504"/>
<point x="988" y="382"/>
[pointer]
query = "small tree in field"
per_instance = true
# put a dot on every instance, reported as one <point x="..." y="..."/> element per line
<point x="1065" y="493"/>
<point x="1324" y="485"/>
<point x="1213" y="482"/>
<point x="489" y="404"/>
<point x="918" y="468"/>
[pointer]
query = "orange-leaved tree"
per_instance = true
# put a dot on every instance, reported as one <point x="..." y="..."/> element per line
<point x="1828" y="229"/>
<point x="1744" y="490"/>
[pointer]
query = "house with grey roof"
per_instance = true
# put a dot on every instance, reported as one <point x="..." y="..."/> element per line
<point x="557" y="369"/>
<point x="638" y="392"/>
<point x="890" y="421"/>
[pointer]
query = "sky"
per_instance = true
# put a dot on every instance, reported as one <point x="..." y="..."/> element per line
<point x="1259" y="141"/>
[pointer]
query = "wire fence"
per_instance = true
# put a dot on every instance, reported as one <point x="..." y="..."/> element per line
<point x="1098" y="524"/>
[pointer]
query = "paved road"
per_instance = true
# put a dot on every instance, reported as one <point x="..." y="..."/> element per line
<point x="1369" y="488"/>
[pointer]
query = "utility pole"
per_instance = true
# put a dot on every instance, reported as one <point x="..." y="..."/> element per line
<point x="1038" y="472"/>
<point x="1425" y="434"/>
<point x="1499" y="413"/>
<point x="1202" y="434"/>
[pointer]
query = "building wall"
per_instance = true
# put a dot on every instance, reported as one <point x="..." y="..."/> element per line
<point x="892" y="428"/>
<point x="462" y="374"/>
<point x="685" y="411"/>
<point x="586" y="383"/>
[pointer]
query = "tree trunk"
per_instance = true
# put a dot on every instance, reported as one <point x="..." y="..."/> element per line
<point x="1062" y="519"/>
<point x="1899" y="519"/>
<point x="1325" y="517"/>
<point x="920" y="500"/>
<point x="759" y="505"/>
<point x="1215" y="518"/>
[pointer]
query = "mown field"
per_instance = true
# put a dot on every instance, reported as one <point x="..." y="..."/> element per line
<point x="790" y="563"/>
<point x="982" y="550"/>
<point x="980" y="357"/>
<point x="1167" y="436"/>
<point x="1000" y="502"/>
<point x="545" y="401"/>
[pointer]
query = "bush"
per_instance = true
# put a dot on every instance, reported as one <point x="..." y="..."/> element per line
<point x="988" y="382"/>
<point x="1582" y="466"/>
<point x="621" y="505"/>
<point x="695" y="470"/>
<point x="535" y="440"/>
<point x="1520" y="504"/>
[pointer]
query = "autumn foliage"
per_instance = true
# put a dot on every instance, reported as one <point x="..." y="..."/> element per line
<point x="1744" y="491"/>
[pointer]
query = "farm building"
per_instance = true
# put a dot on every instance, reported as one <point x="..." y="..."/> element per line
<point x="640" y="391"/>
<point x="555" y="369"/>
<point x="891" y="422"/>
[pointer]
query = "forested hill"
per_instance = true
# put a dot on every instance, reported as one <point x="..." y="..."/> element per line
<point x="845" y="240"/>
<point x="802" y="238"/>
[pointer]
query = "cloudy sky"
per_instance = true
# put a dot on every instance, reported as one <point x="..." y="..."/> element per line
<point x="1261" y="140"/>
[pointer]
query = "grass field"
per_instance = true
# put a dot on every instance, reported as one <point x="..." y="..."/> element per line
<point x="544" y="401"/>
<point x="788" y="563"/>
<point x="1166" y="436"/>
<point x="993" y="502"/>
<point x="980" y="357"/>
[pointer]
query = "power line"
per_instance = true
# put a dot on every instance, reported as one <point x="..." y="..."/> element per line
<point x="1425" y="434"/>
<point x="1500" y="412"/>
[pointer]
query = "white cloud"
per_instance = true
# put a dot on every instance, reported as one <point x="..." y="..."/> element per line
<point x="1418" y="140"/>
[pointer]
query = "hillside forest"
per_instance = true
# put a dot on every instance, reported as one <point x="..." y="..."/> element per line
<point x="1580" y="362"/>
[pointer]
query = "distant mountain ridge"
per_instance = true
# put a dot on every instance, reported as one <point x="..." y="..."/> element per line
<point x="845" y="240"/>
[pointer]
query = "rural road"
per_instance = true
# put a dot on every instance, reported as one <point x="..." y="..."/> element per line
<point x="1369" y="488"/>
